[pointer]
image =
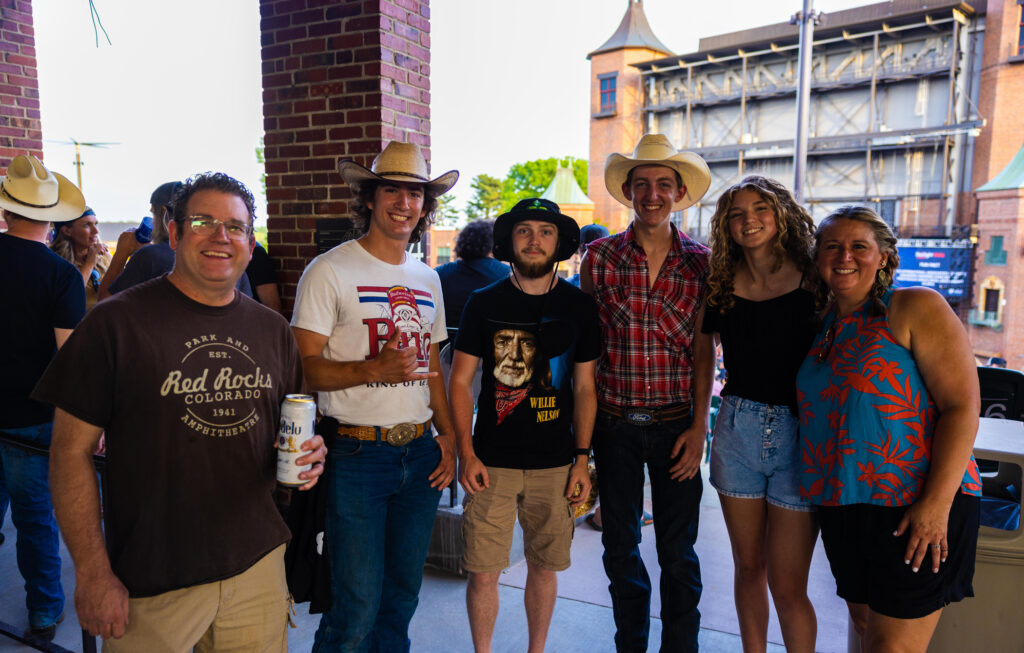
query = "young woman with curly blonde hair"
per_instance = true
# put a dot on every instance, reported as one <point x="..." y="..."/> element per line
<point x="760" y="308"/>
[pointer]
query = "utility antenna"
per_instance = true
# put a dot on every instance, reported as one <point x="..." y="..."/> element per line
<point x="78" y="153"/>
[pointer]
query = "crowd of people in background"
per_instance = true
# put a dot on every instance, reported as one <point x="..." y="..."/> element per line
<point x="849" y="408"/>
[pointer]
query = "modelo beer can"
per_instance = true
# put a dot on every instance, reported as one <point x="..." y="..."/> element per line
<point x="298" y="419"/>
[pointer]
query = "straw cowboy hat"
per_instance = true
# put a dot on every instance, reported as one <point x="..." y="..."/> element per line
<point x="398" y="162"/>
<point x="656" y="150"/>
<point x="33" y="192"/>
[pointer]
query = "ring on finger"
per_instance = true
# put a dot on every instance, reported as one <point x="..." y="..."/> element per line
<point x="936" y="546"/>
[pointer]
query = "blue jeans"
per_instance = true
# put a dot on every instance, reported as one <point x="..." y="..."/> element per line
<point x="25" y="477"/>
<point x="380" y="514"/>
<point x="620" y="452"/>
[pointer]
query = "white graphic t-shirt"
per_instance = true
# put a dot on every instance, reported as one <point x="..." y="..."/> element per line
<point x="358" y="301"/>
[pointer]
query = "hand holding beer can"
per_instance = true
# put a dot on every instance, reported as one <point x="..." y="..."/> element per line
<point x="298" y="420"/>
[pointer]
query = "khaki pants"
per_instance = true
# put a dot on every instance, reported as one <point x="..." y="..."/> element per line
<point x="538" y="496"/>
<point x="247" y="613"/>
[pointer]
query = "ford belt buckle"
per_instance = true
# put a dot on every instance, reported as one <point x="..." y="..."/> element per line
<point x="640" y="416"/>
<point x="402" y="434"/>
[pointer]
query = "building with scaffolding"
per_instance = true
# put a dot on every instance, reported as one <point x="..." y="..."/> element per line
<point x="893" y="109"/>
<point x="904" y="118"/>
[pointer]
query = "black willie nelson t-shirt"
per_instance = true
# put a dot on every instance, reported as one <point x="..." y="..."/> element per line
<point x="529" y="345"/>
<point x="190" y="398"/>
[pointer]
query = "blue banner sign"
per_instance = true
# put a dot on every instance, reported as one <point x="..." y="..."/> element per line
<point x="943" y="264"/>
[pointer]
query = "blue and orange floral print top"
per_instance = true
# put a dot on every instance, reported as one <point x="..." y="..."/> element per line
<point x="866" y="417"/>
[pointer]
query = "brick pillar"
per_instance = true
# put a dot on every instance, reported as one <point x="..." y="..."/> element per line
<point x="20" y="129"/>
<point x="339" y="80"/>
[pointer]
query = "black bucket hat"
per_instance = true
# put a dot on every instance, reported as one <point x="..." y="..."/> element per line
<point x="535" y="208"/>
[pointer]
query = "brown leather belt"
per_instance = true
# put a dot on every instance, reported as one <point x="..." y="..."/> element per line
<point x="647" y="416"/>
<point x="398" y="435"/>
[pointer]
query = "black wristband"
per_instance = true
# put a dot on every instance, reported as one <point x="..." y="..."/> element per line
<point x="581" y="451"/>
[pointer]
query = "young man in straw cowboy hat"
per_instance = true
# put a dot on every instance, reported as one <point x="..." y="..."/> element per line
<point x="539" y="340"/>
<point x="653" y="387"/>
<point x="367" y="319"/>
<point x="185" y="376"/>
<point x="43" y="299"/>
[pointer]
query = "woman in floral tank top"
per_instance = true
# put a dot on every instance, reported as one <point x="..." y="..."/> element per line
<point x="889" y="405"/>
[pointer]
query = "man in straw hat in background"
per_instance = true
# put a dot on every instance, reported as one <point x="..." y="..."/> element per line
<point x="653" y="387"/>
<point x="43" y="299"/>
<point x="367" y="319"/>
<point x="539" y="340"/>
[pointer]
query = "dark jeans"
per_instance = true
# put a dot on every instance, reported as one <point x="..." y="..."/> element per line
<point x="620" y="452"/>
<point x="25" y="478"/>
<point x="380" y="513"/>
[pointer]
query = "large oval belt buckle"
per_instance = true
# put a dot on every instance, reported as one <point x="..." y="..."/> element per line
<point x="640" y="416"/>
<point x="402" y="434"/>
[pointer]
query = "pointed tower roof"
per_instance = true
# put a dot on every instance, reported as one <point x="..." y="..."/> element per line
<point x="1011" y="177"/>
<point x="634" y="32"/>
<point x="564" y="189"/>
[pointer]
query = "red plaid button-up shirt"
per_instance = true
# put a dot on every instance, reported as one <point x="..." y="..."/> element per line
<point x="648" y="332"/>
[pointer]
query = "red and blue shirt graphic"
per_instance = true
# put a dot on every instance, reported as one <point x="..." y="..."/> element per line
<point x="399" y="308"/>
<point x="866" y="417"/>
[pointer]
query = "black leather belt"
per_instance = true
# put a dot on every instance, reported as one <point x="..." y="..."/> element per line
<point x="647" y="416"/>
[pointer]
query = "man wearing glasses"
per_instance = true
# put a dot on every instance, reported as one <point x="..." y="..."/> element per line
<point x="186" y="377"/>
<point x="149" y="261"/>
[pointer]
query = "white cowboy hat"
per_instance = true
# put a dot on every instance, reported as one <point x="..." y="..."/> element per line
<point x="657" y="150"/>
<point x="33" y="192"/>
<point x="398" y="162"/>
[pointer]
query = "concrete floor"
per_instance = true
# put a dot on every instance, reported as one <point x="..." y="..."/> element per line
<point x="582" y="620"/>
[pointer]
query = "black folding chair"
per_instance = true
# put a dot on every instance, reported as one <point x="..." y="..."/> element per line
<point x="1002" y="393"/>
<point x="6" y="629"/>
<point x="1002" y="397"/>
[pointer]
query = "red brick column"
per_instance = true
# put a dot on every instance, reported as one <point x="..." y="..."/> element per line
<point x="20" y="129"/>
<point x="339" y="80"/>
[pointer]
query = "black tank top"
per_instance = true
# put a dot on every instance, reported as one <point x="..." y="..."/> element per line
<point x="764" y="343"/>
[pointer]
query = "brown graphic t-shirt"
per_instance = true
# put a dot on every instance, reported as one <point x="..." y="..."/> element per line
<point x="190" y="398"/>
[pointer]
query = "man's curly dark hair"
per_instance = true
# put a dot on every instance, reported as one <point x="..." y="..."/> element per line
<point x="211" y="181"/>
<point x="361" y="209"/>
<point x="476" y="240"/>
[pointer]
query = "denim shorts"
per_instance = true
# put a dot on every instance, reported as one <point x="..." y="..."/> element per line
<point x="755" y="453"/>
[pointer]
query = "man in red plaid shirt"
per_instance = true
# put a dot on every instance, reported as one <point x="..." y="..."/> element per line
<point x="654" y="389"/>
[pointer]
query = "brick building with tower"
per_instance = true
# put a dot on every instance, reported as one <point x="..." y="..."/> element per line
<point x="914" y="112"/>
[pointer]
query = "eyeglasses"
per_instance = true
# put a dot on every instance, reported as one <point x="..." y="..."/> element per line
<point x="204" y="226"/>
<point x="830" y="338"/>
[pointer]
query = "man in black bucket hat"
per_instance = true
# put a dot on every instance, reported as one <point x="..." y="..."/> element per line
<point x="539" y="341"/>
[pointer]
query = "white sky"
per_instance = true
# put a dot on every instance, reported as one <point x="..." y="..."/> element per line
<point x="180" y="88"/>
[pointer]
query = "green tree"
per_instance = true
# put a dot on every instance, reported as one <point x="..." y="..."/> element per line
<point x="447" y="215"/>
<point x="487" y="200"/>
<point x="262" y="160"/>
<point x="532" y="178"/>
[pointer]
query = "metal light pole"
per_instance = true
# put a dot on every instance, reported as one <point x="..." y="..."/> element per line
<point x="806" y="19"/>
